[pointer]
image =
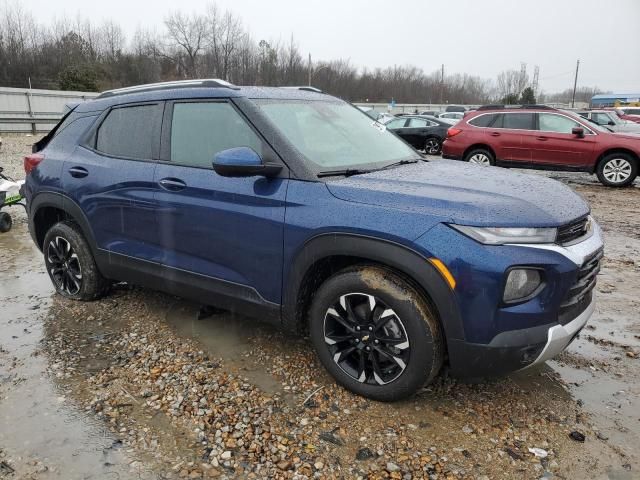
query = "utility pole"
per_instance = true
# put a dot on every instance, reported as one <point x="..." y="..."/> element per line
<point x="309" y="69"/>
<point x="442" y="85"/>
<point x="575" y="85"/>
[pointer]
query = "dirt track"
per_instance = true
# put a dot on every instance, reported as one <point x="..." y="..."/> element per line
<point x="135" y="386"/>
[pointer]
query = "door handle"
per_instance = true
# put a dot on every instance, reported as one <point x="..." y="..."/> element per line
<point x="172" y="184"/>
<point x="78" y="172"/>
<point x="495" y="134"/>
<point x="542" y="139"/>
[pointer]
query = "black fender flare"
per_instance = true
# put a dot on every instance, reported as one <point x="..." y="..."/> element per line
<point x="67" y="205"/>
<point x="394" y="255"/>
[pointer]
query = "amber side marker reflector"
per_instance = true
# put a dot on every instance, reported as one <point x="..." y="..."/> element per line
<point x="444" y="271"/>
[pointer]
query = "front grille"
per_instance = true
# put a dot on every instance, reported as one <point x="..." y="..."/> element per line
<point x="579" y="295"/>
<point x="572" y="231"/>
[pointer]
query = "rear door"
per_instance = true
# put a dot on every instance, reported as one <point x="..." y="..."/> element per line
<point x="415" y="131"/>
<point x="220" y="233"/>
<point x="512" y="133"/>
<point x="111" y="178"/>
<point x="556" y="145"/>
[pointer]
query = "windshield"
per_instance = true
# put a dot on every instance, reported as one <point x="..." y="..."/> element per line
<point x="335" y="135"/>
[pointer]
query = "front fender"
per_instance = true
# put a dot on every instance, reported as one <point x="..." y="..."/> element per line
<point x="409" y="262"/>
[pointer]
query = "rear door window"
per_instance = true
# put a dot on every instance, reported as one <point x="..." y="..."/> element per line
<point x="199" y="130"/>
<point x="418" y="123"/>
<point x="398" y="123"/>
<point x="518" y="121"/>
<point x="130" y="132"/>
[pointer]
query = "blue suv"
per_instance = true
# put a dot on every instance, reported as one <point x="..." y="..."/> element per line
<point x="292" y="206"/>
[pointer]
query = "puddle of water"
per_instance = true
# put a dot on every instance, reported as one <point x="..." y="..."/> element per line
<point x="37" y="422"/>
<point x="227" y="336"/>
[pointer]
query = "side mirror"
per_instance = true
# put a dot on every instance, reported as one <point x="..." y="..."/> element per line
<point x="578" y="131"/>
<point x="611" y="122"/>
<point x="242" y="162"/>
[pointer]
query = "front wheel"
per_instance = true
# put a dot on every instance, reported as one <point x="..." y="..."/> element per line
<point x="617" y="170"/>
<point x="375" y="333"/>
<point x="70" y="264"/>
<point x="433" y="146"/>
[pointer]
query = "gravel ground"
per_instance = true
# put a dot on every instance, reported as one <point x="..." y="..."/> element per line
<point x="137" y="386"/>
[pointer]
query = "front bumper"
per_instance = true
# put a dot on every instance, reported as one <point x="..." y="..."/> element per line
<point x="560" y="336"/>
<point x="497" y="339"/>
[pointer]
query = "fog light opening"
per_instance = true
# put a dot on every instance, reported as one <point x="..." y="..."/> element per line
<point x="521" y="284"/>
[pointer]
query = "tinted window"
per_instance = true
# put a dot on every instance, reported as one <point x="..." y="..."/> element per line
<point x="398" y="123"/>
<point x="417" y="123"/>
<point x="200" y="130"/>
<point x="518" y="121"/>
<point x="483" y="120"/>
<point x="556" y="123"/>
<point x="129" y="132"/>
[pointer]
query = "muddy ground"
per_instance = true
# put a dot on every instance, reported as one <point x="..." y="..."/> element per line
<point x="136" y="386"/>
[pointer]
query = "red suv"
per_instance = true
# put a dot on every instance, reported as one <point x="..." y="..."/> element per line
<point x="543" y="138"/>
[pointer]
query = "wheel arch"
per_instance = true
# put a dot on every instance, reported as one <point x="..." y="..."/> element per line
<point x="610" y="151"/>
<point x="326" y="254"/>
<point x="48" y="208"/>
<point x="476" y="146"/>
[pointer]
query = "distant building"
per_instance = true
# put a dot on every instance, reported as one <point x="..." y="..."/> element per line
<point x="610" y="99"/>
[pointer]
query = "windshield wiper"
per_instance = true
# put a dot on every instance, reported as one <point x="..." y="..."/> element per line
<point x="347" y="172"/>
<point x="401" y="162"/>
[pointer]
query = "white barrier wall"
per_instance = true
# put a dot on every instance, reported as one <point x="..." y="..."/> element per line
<point x="28" y="110"/>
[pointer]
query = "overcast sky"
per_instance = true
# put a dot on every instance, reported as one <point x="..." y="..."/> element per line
<point x="480" y="37"/>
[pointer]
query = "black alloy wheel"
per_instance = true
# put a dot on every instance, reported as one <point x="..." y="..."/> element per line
<point x="366" y="338"/>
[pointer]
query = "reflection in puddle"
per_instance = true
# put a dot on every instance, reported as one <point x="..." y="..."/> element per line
<point x="227" y="336"/>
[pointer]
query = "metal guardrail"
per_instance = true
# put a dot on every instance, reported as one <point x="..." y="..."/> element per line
<point x="39" y="109"/>
<point x="34" y="121"/>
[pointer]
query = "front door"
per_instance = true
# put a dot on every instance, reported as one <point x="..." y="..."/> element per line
<point x="556" y="145"/>
<point x="227" y="232"/>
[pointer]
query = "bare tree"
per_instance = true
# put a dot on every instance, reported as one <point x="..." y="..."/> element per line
<point x="189" y="33"/>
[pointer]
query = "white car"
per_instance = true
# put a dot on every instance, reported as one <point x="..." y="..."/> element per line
<point x="610" y="119"/>
<point x="452" y="115"/>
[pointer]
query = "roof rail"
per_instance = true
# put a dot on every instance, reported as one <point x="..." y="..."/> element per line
<point x="150" y="87"/>
<point x="307" y="88"/>
<point x="505" y="107"/>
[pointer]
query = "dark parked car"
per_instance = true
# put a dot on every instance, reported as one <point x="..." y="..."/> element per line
<point x="544" y="138"/>
<point x="255" y="200"/>
<point x="422" y="132"/>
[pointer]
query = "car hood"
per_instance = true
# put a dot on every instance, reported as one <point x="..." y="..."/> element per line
<point x="465" y="194"/>
<point x="628" y="127"/>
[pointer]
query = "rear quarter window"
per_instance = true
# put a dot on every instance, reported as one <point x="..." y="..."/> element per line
<point x="483" y="120"/>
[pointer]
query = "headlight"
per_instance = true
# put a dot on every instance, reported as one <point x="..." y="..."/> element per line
<point x="502" y="235"/>
<point x="521" y="282"/>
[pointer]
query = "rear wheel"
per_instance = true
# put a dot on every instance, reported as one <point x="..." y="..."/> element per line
<point x="375" y="333"/>
<point x="70" y="264"/>
<point x="480" y="156"/>
<point x="617" y="170"/>
<point x="5" y="222"/>
<point x="433" y="146"/>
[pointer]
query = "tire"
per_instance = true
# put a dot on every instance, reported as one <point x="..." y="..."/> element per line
<point x="433" y="146"/>
<point x="70" y="263"/>
<point x="480" y="156"/>
<point x="5" y="222"/>
<point x="405" y="351"/>
<point x="617" y="170"/>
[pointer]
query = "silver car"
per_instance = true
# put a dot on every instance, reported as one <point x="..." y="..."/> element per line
<point x="610" y="120"/>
